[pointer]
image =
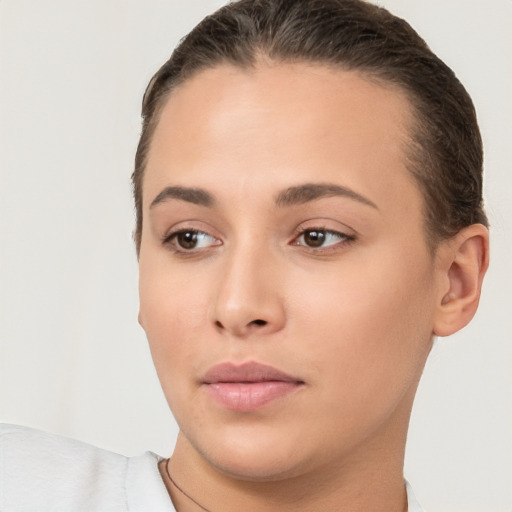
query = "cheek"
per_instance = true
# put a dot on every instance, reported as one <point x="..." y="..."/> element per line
<point x="173" y="315"/>
<point x="367" y="330"/>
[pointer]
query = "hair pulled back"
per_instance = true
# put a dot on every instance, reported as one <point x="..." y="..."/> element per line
<point x="445" y="152"/>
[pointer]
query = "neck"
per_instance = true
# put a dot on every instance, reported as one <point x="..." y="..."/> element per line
<point x="370" y="479"/>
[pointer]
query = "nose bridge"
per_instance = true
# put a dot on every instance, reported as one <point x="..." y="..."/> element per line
<point x="248" y="296"/>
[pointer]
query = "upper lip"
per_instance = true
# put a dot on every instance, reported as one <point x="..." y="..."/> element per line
<point x="246" y="373"/>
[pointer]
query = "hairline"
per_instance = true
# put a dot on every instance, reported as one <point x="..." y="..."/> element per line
<point x="412" y="148"/>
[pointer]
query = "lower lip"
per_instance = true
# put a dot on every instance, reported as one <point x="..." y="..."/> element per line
<point x="241" y="396"/>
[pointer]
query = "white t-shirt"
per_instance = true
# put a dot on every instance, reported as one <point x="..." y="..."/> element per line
<point x="41" y="472"/>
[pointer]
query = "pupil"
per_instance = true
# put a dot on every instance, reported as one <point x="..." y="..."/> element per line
<point x="314" y="238"/>
<point x="187" y="239"/>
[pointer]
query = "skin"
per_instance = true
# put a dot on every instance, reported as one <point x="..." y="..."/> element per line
<point x="353" y="319"/>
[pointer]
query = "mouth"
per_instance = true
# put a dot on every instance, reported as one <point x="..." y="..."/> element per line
<point x="248" y="386"/>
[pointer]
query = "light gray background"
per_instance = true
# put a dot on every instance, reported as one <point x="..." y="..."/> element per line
<point x="73" y="359"/>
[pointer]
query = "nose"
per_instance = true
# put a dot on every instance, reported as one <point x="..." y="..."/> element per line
<point x="249" y="295"/>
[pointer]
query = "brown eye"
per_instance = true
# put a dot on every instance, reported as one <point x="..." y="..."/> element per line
<point x="314" y="238"/>
<point x="186" y="239"/>
<point x="190" y="240"/>
<point x="322" y="238"/>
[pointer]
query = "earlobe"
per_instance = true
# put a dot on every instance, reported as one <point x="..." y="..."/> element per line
<point x="464" y="263"/>
<point x="139" y="319"/>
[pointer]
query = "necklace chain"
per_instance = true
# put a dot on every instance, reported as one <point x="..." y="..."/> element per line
<point x="181" y="490"/>
<point x="196" y="502"/>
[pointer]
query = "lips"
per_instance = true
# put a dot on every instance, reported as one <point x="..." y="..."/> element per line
<point x="248" y="386"/>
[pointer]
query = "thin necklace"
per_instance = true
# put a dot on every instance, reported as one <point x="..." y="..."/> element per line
<point x="181" y="490"/>
<point x="199" y="504"/>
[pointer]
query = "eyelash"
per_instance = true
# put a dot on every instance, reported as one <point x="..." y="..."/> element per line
<point x="344" y="239"/>
<point x="170" y="240"/>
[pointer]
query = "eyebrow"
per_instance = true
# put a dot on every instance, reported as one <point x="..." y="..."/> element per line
<point x="291" y="196"/>
<point x="190" y="195"/>
<point x="311" y="191"/>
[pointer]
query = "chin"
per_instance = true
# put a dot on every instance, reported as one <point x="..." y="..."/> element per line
<point x="256" y="469"/>
<point x="251" y="455"/>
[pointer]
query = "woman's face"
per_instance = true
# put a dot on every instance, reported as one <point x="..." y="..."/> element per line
<point x="282" y="228"/>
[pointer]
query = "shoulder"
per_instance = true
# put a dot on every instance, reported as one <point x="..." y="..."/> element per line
<point x="50" y="472"/>
<point x="47" y="472"/>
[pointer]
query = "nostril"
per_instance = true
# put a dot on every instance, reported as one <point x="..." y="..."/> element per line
<point x="219" y="325"/>
<point x="259" y="322"/>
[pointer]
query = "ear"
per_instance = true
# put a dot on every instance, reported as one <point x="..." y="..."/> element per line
<point x="463" y="262"/>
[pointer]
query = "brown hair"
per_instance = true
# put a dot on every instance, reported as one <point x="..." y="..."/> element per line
<point x="445" y="153"/>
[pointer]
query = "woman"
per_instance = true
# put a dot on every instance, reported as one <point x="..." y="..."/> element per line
<point x="309" y="216"/>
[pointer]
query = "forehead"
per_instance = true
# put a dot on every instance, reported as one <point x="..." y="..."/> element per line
<point x="217" y="97"/>
<point x="280" y="123"/>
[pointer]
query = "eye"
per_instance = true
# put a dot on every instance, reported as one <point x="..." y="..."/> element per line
<point x="187" y="240"/>
<point x="316" y="238"/>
